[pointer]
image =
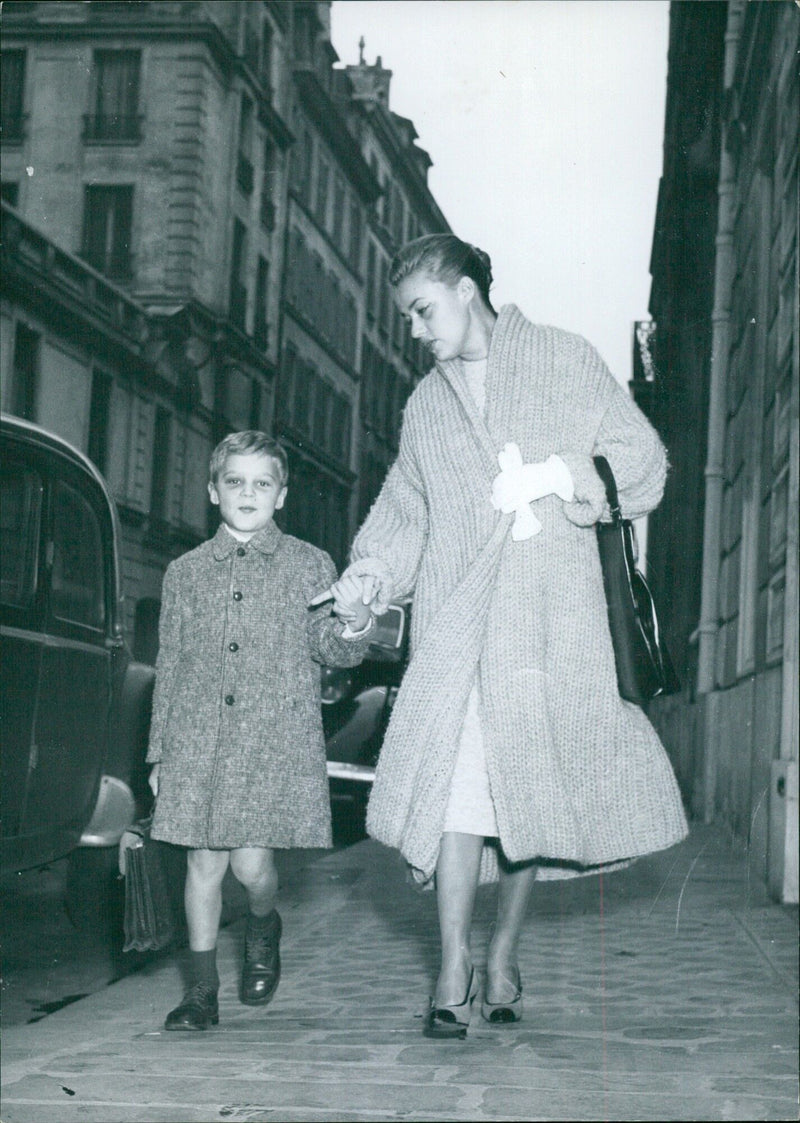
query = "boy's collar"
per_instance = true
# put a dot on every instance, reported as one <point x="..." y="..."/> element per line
<point x="264" y="541"/>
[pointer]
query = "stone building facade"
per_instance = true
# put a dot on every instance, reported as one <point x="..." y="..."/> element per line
<point x="723" y="392"/>
<point x="188" y="169"/>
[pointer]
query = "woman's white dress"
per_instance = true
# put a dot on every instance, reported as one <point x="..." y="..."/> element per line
<point x="470" y="808"/>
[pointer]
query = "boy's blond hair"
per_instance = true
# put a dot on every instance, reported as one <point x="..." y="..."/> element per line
<point x="245" y="443"/>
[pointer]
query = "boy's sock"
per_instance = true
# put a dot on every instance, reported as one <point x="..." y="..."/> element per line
<point x="260" y="926"/>
<point x="203" y="968"/>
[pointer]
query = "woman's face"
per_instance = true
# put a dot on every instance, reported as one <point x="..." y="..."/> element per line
<point x="439" y="314"/>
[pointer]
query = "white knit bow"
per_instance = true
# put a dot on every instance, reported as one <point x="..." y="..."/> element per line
<point x="518" y="485"/>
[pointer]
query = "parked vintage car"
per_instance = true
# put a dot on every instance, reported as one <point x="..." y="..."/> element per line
<point x="75" y="705"/>
<point x="356" y="705"/>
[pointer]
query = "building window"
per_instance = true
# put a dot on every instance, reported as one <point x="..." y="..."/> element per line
<point x="260" y="332"/>
<point x="321" y="208"/>
<point x="304" y="376"/>
<point x="99" y="416"/>
<point x="398" y="215"/>
<point x="107" y="224"/>
<point x="372" y="282"/>
<point x="25" y="372"/>
<point x="340" y="428"/>
<point x="9" y="191"/>
<point x="115" y="98"/>
<point x="12" y="96"/>
<point x="267" y="209"/>
<point x="159" y="484"/>
<point x="303" y="163"/>
<point x="250" y="44"/>
<point x="266" y="56"/>
<point x="354" y="248"/>
<point x="321" y="413"/>
<point x="238" y="295"/>
<point x="244" y="164"/>
<point x="383" y="297"/>
<point x="283" y="405"/>
<point x="338" y="213"/>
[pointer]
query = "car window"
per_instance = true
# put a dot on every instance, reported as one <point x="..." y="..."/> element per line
<point x="76" y="584"/>
<point x="20" y="515"/>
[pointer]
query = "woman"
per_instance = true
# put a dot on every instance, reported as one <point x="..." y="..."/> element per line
<point x="510" y="754"/>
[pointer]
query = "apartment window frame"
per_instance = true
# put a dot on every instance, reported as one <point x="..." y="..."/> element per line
<point x="100" y="418"/>
<point x="321" y="194"/>
<point x="339" y="204"/>
<point x="13" y="117"/>
<point x="161" y="461"/>
<point x="108" y="228"/>
<point x="237" y="293"/>
<point x="267" y="209"/>
<point x="245" y="173"/>
<point x="355" y="235"/>
<point x="25" y="370"/>
<point x="260" y="318"/>
<point x="115" y="96"/>
<point x="9" y="192"/>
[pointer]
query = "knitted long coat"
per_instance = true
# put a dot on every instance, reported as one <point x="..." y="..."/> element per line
<point x="578" y="776"/>
<point x="236" y="721"/>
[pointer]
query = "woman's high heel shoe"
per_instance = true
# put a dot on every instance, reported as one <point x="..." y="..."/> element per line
<point x="502" y="1013"/>
<point x="451" y="1021"/>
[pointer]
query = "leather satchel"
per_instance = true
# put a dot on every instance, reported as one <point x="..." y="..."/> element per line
<point x="644" y="668"/>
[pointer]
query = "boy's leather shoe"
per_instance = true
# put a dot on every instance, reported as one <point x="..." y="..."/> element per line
<point x="198" y="1010"/>
<point x="261" y="971"/>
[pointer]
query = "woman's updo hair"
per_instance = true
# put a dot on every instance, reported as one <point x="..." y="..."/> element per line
<point x="445" y="258"/>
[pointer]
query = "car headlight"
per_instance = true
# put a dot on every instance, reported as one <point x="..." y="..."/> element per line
<point x="335" y="684"/>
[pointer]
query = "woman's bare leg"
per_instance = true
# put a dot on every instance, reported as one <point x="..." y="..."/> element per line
<point x="457" y="873"/>
<point x="513" y="895"/>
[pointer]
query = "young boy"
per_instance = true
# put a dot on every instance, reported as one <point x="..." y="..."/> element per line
<point x="236" y="740"/>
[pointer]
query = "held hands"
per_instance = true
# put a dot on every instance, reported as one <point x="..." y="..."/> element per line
<point x="352" y="600"/>
<point x="357" y="597"/>
<point x="518" y="485"/>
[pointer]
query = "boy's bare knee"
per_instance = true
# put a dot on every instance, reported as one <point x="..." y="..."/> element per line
<point x="252" y="864"/>
<point x="207" y="865"/>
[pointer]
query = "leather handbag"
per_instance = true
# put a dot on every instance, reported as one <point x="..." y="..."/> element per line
<point x="644" y="668"/>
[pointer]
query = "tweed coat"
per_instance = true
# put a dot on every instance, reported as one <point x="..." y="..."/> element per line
<point x="579" y="778"/>
<point x="237" y="724"/>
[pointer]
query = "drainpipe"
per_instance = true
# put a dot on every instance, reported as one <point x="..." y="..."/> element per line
<point x="724" y="270"/>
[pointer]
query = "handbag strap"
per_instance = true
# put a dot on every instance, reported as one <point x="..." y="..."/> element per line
<point x="603" y="469"/>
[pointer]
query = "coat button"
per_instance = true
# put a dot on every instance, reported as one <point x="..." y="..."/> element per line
<point x="241" y="551"/>
<point x="228" y="699"/>
<point x="233" y="646"/>
<point x="237" y="596"/>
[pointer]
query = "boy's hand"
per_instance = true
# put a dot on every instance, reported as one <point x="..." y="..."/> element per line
<point x="152" y="779"/>
<point x="374" y="590"/>
<point x="350" y="602"/>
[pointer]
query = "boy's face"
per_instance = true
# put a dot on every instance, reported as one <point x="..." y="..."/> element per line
<point x="248" y="491"/>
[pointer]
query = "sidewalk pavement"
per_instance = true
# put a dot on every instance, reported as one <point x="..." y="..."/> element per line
<point x="666" y="991"/>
